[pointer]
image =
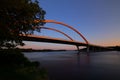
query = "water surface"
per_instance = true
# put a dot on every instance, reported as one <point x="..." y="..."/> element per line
<point x="67" y="65"/>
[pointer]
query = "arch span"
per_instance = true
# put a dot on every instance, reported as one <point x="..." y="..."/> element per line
<point x="57" y="31"/>
<point x="53" y="21"/>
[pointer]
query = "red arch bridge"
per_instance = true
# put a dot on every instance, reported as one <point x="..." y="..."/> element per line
<point x="89" y="47"/>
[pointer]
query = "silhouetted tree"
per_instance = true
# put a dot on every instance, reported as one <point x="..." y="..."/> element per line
<point x="17" y="17"/>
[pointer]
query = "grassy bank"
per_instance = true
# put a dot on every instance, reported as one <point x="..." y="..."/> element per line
<point x="14" y="66"/>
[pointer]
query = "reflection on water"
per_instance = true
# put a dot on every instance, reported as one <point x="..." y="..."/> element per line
<point x="68" y="65"/>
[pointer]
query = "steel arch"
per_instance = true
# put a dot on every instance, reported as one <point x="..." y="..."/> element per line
<point x="53" y="21"/>
<point x="57" y="31"/>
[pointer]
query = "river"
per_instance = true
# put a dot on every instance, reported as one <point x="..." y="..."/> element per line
<point x="67" y="65"/>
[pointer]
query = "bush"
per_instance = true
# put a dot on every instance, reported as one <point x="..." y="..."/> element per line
<point x="14" y="66"/>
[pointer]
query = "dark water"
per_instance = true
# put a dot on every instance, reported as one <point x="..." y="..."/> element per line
<point x="67" y="65"/>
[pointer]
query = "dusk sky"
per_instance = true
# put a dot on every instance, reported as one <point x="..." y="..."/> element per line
<point x="97" y="20"/>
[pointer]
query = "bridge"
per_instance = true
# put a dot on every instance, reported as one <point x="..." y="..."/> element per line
<point x="89" y="47"/>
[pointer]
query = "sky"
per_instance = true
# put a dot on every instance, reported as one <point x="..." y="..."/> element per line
<point x="97" y="20"/>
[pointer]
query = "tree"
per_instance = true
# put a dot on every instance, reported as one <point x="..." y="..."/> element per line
<point x="17" y="17"/>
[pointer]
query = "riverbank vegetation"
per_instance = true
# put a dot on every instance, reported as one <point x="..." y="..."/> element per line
<point x="14" y="66"/>
<point x="17" y="17"/>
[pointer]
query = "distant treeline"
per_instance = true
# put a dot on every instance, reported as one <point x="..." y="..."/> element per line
<point x="43" y="50"/>
<point x="115" y="48"/>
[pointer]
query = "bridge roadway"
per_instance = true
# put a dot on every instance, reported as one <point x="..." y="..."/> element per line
<point x="60" y="41"/>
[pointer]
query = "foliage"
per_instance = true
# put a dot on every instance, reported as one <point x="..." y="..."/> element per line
<point x="117" y="48"/>
<point x="17" y="17"/>
<point x="14" y="66"/>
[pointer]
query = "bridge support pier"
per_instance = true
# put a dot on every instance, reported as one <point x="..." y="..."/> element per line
<point x="88" y="49"/>
<point x="78" y="48"/>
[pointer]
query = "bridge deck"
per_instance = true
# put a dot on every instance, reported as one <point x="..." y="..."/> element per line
<point x="56" y="40"/>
